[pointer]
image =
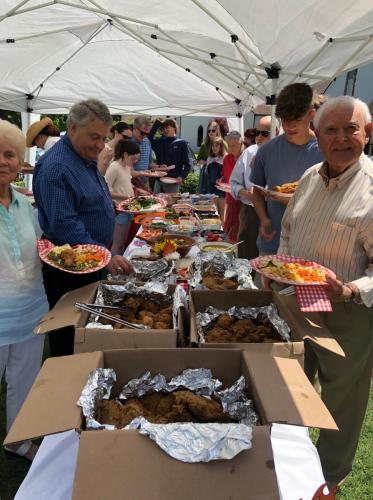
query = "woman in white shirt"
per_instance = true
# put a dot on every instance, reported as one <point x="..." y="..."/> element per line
<point x="22" y="298"/>
<point x="119" y="179"/>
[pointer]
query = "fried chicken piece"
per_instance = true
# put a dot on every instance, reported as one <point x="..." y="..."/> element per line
<point x="167" y="309"/>
<point x="133" y="302"/>
<point x="164" y="317"/>
<point x="148" y="305"/>
<point x="224" y="320"/>
<point x="114" y="413"/>
<point x="229" y="284"/>
<point x="217" y="334"/>
<point x="147" y="321"/>
<point x="144" y="312"/>
<point x="68" y="256"/>
<point x="205" y="410"/>
<point x="158" y="403"/>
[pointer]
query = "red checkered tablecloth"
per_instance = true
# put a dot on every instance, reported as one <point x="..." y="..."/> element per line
<point x="313" y="299"/>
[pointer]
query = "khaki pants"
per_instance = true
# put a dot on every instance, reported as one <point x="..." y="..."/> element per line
<point x="345" y="384"/>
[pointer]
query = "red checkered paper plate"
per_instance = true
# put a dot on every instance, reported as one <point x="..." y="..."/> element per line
<point x="313" y="299"/>
<point x="258" y="264"/>
<point x="45" y="247"/>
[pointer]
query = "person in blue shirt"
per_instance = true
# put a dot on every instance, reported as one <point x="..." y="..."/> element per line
<point x="74" y="203"/>
<point x="170" y="150"/>
<point x="284" y="159"/>
<point x="22" y="298"/>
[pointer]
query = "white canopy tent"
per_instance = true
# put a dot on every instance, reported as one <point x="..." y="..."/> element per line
<point x="167" y="57"/>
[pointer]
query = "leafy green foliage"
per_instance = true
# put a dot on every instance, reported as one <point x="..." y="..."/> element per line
<point x="190" y="183"/>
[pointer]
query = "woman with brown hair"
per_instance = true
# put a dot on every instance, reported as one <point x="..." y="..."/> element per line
<point x="213" y="172"/>
<point x="121" y="130"/>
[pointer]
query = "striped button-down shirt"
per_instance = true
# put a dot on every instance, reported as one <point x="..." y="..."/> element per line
<point x="72" y="197"/>
<point x="330" y="221"/>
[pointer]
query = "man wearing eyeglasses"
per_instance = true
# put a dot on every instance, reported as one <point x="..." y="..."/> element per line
<point x="283" y="160"/>
<point x="242" y="189"/>
<point x="141" y="129"/>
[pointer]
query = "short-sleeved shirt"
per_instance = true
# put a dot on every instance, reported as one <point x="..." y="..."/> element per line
<point x="118" y="178"/>
<point x="276" y="162"/>
<point x="22" y="298"/>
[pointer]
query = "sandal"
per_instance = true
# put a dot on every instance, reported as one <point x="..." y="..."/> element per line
<point x="22" y="450"/>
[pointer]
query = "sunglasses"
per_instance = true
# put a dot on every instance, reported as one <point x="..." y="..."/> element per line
<point x="211" y="130"/>
<point x="264" y="133"/>
<point x="144" y="134"/>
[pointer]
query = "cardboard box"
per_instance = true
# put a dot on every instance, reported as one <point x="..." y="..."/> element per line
<point x="65" y="314"/>
<point x="111" y="462"/>
<point x="303" y="326"/>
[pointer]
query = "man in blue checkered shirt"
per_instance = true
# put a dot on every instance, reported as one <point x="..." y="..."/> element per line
<point x="74" y="203"/>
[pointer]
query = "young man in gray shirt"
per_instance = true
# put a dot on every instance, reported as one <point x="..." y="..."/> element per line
<point x="284" y="159"/>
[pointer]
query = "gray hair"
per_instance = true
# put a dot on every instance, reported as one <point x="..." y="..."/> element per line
<point x="141" y="121"/>
<point x="86" y="111"/>
<point x="234" y="135"/>
<point x="13" y="135"/>
<point x="344" y="101"/>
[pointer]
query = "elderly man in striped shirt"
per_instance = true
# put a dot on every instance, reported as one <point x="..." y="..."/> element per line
<point x="330" y="220"/>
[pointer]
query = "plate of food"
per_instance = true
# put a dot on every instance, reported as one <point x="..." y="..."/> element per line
<point x="172" y="245"/>
<point x="217" y="246"/>
<point x="142" y="204"/>
<point x="223" y="186"/>
<point x="79" y="259"/>
<point x="169" y="180"/>
<point x="285" y="190"/>
<point x="153" y="173"/>
<point x="149" y="234"/>
<point x="290" y="270"/>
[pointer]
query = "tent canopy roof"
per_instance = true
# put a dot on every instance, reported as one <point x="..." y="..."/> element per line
<point x="161" y="57"/>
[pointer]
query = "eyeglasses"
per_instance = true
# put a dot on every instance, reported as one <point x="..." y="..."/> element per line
<point x="264" y="133"/>
<point x="211" y="130"/>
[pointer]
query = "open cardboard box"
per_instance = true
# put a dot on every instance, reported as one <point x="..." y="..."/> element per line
<point x="112" y="462"/>
<point x="65" y="314"/>
<point x="303" y="326"/>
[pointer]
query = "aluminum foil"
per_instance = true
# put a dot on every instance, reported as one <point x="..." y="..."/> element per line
<point x="114" y="295"/>
<point x="197" y="442"/>
<point x="158" y="270"/>
<point x="189" y="442"/>
<point x="197" y="380"/>
<point x="98" y="386"/>
<point x="225" y="265"/>
<point x="204" y="320"/>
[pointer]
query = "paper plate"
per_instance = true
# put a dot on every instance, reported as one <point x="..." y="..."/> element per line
<point x="160" y="203"/>
<point x="169" y="180"/>
<point x="285" y="196"/>
<point x="223" y="186"/>
<point x="45" y="246"/>
<point x="149" y="173"/>
<point x="259" y="261"/>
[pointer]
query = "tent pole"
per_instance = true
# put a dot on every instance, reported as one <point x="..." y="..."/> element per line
<point x="273" y="107"/>
<point x="27" y="120"/>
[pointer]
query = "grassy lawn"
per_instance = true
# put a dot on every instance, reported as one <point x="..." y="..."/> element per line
<point x="359" y="485"/>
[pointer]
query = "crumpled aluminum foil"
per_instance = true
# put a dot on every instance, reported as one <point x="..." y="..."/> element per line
<point x="158" y="270"/>
<point x="98" y="386"/>
<point x="189" y="442"/>
<point x="225" y="265"/>
<point x="197" y="442"/>
<point x="154" y="290"/>
<point x="197" y="380"/>
<point x="205" y="319"/>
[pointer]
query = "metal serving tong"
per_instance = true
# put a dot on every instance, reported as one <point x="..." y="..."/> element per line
<point x="91" y="308"/>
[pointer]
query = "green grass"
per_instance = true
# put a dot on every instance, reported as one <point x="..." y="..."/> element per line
<point x="358" y="486"/>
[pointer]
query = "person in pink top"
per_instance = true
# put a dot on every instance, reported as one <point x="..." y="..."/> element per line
<point x="232" y="210"/>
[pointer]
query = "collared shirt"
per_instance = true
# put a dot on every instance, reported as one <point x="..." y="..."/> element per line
<point x="145" y="154"/>
<point x="330" y="221"/>
<point x="22" y="298"/>
<point x="72" y="197"/>
<point x="240" y="177"/>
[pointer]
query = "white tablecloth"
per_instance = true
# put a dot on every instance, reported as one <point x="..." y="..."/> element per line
<point x="297" y="465"/>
